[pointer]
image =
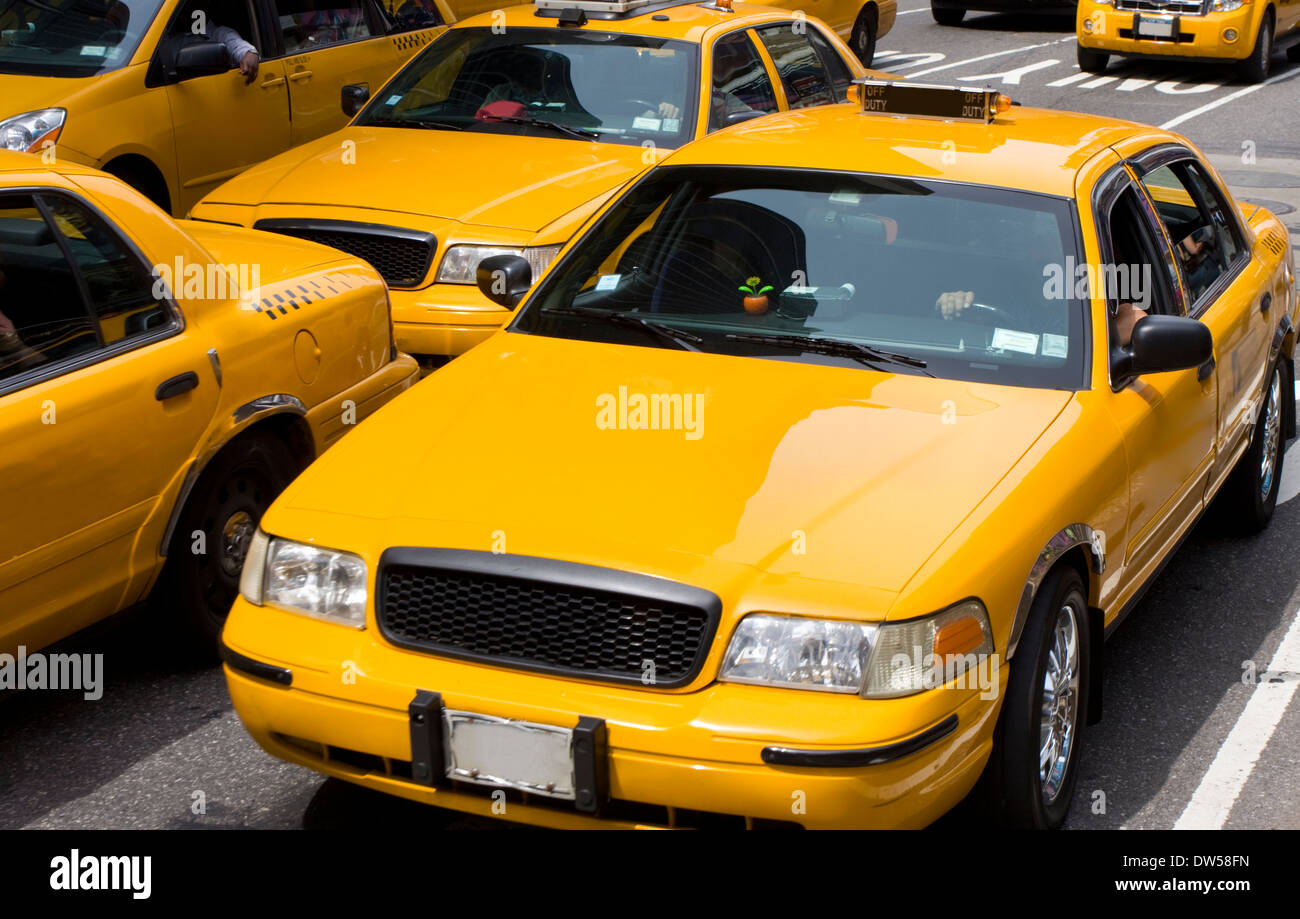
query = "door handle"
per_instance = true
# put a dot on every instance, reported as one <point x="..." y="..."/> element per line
<point x="176" y="386"/>
<point x="1265" y="302"/>
<point x="1203" y="372"/>
<point x="272" y="83"/>
<point x="300" y="75"/>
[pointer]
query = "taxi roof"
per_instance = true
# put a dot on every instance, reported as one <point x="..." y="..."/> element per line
<point x="1039" y="150"/>
<point x="688" y="20"/>
<point x="13" y="161"/>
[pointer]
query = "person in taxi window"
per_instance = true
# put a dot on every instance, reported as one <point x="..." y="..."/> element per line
<point x="242" y="53"/>
<point x="953" y="303"/>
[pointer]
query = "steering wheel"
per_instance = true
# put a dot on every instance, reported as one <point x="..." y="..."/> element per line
<point x="641" y="105"/>
<point x="989" y="315"/>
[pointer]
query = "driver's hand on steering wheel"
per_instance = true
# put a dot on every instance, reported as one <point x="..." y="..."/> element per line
<point x="665" y="110"/>
<point x="953" y="303"/>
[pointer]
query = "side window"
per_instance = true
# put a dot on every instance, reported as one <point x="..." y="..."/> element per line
<point x="1205" y="245"/>
<point x="799" y="65"/>
<point x="118" y="283"/>
<point x="310" y="24"/>
<point x="740" y="83"/>
<point x="410" y="15"/>
<point x="836" y="70"/>
<point x="42" y="316"/>
<point x="1134" y="278"/>
<point x="229" y="22"/>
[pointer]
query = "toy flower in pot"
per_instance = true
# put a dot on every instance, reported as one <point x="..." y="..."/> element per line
<point x="756" y="297"/>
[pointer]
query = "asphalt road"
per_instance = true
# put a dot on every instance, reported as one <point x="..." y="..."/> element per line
<point x="163" y="749"/>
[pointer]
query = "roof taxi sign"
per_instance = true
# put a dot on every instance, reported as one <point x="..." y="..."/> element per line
<point x="922" y="100"/>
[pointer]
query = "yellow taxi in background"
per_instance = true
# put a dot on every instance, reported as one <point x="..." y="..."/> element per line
<point x="1244" y="32"/>
<point x="509" y="130"/>
<point x="860" y="24"/>
<point x="802" y="488"/>
<point x="159" y="384"/>
<point x="144" y="90"/>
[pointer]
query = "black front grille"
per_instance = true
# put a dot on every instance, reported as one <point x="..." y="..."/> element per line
<point x="1182" y="7"/>
<point x="544" y="615"/>
<point x="402" y="256"/>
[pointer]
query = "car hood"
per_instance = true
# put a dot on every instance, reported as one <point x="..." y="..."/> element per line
<point x="493" y="180"/>
<point x="838" y="474"/>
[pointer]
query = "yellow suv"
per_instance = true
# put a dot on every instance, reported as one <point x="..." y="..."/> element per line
<point x="512" y="128"/>
<point x="160" y="383"/>
<point x="160" y="93"/>
<point x="1244" y="32"/>
<point x="802" y="488"/>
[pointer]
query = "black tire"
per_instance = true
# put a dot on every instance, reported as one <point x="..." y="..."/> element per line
<point x="196" y="590"/>
<point x="1092" y="61"/>
<point x="143" y="180"/>
<point x="1250" y="495"/>
<point x="863" y="39"/>
<point x="1013" y="784"/>
<point x="947" y="15"/>
<point x="1254" y="69"/>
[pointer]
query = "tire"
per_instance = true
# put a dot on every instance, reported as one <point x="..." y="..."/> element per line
<point x="197" y="589"/>
<point x="1018" y="791"/>
<point x="1250" y="495"/>
<point x="143" y="180"/>
<point x="1254" y="69"/>
<point x="1092" y="61"/>
<point x="947" y="15"/>
<point x="863" y="38"/>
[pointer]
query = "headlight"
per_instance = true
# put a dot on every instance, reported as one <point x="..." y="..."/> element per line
<point x="1226" y="6"/>
<point x="26" y="133"/>
<point x="921" y="654"/>
<point x="799" y="653"/>
<point x="460" y="263"/>
<point x="305" y="579"/>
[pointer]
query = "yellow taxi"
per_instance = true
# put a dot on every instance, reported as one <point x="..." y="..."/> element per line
<point x="1244" y="32"/>
<point x="160" y="383"/>
<point x="164" y="93"/>
<point x="512" y="128"/>
<point x="802" y="489"/>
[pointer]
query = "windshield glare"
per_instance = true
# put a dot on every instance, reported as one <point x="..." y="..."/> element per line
<point x="958" y="277"/>
<point x="626" y="89"/>
<point x="71" y="38"/>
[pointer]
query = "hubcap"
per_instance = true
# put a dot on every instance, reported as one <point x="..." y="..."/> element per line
<point x="1272" y="432"/>
<point x="235" y="536"/>
<point x="1060" y="703"/>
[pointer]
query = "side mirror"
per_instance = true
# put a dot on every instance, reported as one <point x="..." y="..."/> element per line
<point x="504" y="279"/>
<point x="201" y="59"/>
<point x="1164" y="343"/>
<point x="354" y="97"/>
<point x="742" y="116"/>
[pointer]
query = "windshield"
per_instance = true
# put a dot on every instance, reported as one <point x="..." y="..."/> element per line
<point x="626" y="89"/>
<point x="71" y="38"/>
<point x="932" y="278"/>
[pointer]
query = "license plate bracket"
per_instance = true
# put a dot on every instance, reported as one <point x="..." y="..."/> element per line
<point x="1161" y="28"/>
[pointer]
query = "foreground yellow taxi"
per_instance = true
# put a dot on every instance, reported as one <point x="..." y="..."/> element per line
<point x="512" y="128"/>
<point x="159" y="385"/>
<point x="158" y="92"/>
<point x="802" y="489"/>
<point x="1241" y="32"/>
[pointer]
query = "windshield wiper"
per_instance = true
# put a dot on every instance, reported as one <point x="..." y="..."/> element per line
<point x="864" y="354"/>
<point x="684" y="340"/>
<point x="410" y="123"/>
<point x="542" y="122"/>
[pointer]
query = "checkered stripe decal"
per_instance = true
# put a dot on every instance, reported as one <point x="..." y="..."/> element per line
<point x="295" y="296"/>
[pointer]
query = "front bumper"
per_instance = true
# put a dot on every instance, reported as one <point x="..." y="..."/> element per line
<point x="1199" y="37"/>
<point x="337" y="701"/>
<point x="444" y="319"/>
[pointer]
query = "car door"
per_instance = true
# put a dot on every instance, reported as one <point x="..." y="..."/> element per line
<point x="1168" y="420"/>
<point x="328" y="44"/>
<point x="809" y="71"/>
<point x="222" y="123"/>
<point x="101" y="405"/>
<point x="1223" y="287"/>
<point x="738" y="85"/>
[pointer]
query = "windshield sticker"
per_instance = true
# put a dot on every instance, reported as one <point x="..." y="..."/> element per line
<point x="672" y="125"/>
<point x="94" y="50"/>
<point x="1010" y="340"/>
<point x="846" y="197"/>
<point x="646" y="124"/>
<point x="608" y="281"/>
<point x="393" y="99"/>
<point x="1056" y="345"/>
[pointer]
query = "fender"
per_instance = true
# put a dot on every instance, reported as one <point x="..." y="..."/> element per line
<point x="1067" y="538"/>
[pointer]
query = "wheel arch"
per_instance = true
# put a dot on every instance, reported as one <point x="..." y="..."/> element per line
<point x="137" y="164"/>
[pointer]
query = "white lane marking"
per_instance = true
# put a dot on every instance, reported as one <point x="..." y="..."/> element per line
<point x="1100" y="81"/>
<point x="1230" y="97"/>
<point x="913" y="58"/>
<point x="986" y="57"/>
<point x="924" y="9"/>
<point x="1012" y="77"/>
<point x="1131" y="84"/>
<point x="1223" y="781"/>
<point x="1289" y="487"/>
<point x="1072" y="78"/>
